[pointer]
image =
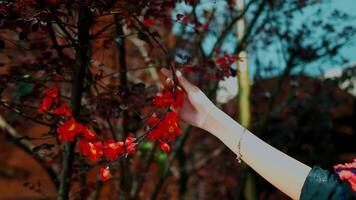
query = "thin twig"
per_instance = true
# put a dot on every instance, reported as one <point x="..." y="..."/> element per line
<point x="24" y="115"/>
<point x="231" y="24"/>
<point x="169" y="162"/>
<point x="14" y="137"/>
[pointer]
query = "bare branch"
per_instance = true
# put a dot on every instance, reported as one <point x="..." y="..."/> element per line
<point x="25" y="145"/>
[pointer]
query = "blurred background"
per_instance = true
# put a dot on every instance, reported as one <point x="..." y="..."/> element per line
<point x="286" y="69"/>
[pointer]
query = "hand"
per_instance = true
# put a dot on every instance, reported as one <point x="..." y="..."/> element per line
<point x="196" y="106"/>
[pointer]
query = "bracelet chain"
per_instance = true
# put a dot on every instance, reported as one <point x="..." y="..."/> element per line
<point x="239" y="155"/>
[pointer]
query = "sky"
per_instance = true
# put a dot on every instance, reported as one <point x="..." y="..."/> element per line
<point x="349" y="51"/>
<point x="348" y="6"/>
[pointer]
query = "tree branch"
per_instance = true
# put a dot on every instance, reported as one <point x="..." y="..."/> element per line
<point x="206" y="159"/>
<point x="82" y="62"/>
<point x="66" y="59"/>
<point x="231" y="24"/>
<point x="6" y="105"/>
<point x="169" y="162"/>
<point x="125" y="184"/>
<point x="25" y="145"/>
<point x="242" y="43"/>
<point x="142" y="178"/>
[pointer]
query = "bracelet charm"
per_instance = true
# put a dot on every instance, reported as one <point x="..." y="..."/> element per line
<point x="239" y="155"/>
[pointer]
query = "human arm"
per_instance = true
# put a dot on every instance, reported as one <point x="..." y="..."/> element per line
<point x="284" y="172"/>
<point x="281" y="170"/>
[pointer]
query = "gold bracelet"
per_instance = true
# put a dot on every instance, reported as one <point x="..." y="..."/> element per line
<point x="239" y="155"/>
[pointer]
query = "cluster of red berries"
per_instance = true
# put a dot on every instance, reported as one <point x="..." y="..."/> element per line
<point x="163" y="130"/>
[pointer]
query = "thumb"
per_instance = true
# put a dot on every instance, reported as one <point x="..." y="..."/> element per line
<point x="182" y="81"/>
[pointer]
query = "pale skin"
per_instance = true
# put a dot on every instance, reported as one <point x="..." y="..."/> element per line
<point x="281" y="170"/>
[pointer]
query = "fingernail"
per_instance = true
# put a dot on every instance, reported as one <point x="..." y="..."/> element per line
<point x="178" y="73"/>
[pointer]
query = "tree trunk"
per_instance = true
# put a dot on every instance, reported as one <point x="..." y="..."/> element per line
<point x="82" y="62"/>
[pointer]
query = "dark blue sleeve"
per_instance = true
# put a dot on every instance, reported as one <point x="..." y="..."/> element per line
<point x="322" y="184"/>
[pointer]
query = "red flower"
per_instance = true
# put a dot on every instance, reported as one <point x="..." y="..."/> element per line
<point x="112" y="150"/>
<point x="52" y="92"/>
<point x="63" y="110"/>
<point x="154" y="135"/>
<point x="347" y="173"/>
<point x="152" y="121"/>
<point x="179" y="99"/>
<point x="170" y="123"/>
<point x="88" y="134"/>
<point x="171" y="117"/>
<point x="130" y="149"/>
<point x="167" y="99"/>
<point x="105" y="173"/>
<point x="46" y="104"/>
<point x="130" y="146"/>
<point x="92" y="150"/>
<point x="129" y="139"/>
<point x="227" y="60"/>
<point x="156" y="132"/>
<point x="167" y="129"/>
<point x="68" y="130"/>
<point x="52" y="96"/>
<point x="148" y="23"/>
<point x="163" y="101"/>
<point x="164" y="146"/>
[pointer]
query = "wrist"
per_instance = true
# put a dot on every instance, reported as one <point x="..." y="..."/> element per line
<point x="210" y="121"/>
<point x="217" y="122"/>
<point x="226" y="129"/>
